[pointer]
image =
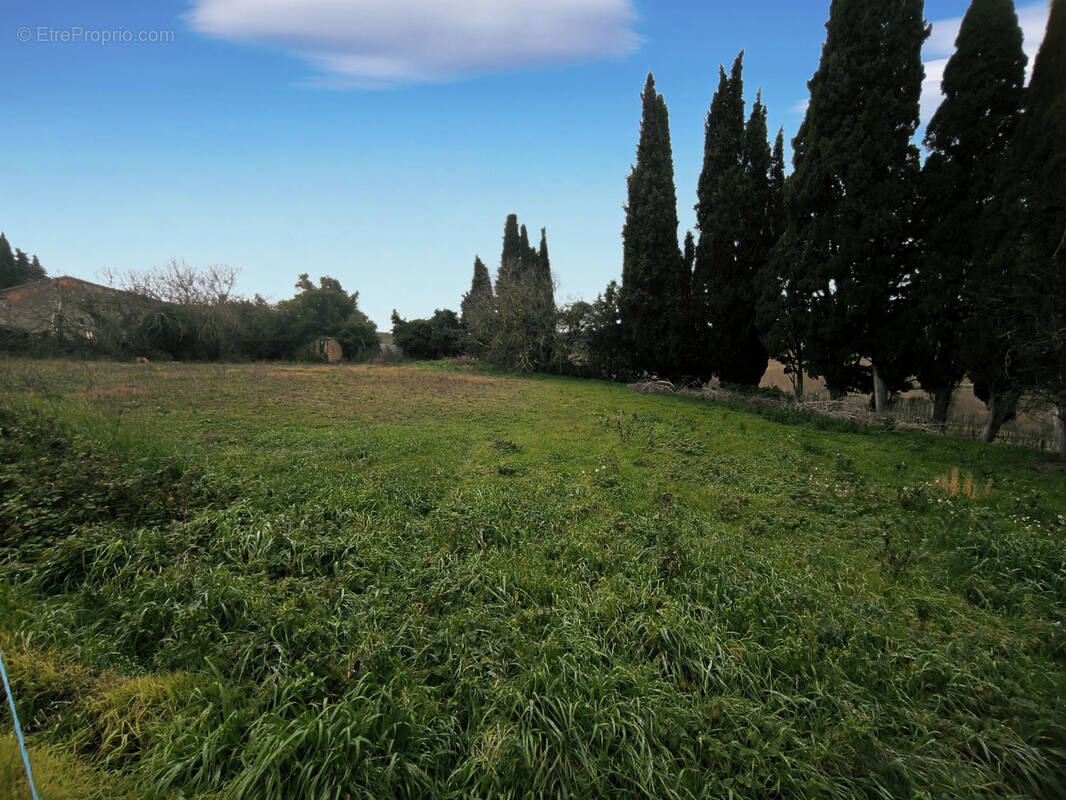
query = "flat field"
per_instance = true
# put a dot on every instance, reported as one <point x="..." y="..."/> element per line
<point x="284" y="581"/>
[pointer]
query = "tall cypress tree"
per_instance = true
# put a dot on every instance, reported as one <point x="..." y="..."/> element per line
<point x="512" y="255"/>
<point x="37" y="272"/>
<point x="852" y="192"/>
<point x="476" y="310"/>
<point x="544" y="299"/>
<point x="543" y="262"/>
<point x="654" y="282"/>
<point x="543" y="271"/>
<point x="520" y="332"/>
<point x="741" y="354"/>
<point x="524" y="248"/>
<point x="23" y="271"/>
<point x="718" y="219"/>
<point x="480" y="295"/>
<point x="967" y="140"/>
<point x="777" y="186"/>
<point x="780" y="308"/>
<point x="1037" y="212"/>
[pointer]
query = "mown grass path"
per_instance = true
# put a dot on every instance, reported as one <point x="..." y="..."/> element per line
<point x="259" y="581"/>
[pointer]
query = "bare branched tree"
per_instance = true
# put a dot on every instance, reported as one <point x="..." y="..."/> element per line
<point x="177" y="282"/>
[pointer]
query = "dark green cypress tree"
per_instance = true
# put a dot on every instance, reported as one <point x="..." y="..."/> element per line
<point x="653" y="296"/>
<point x="476" y="310"/>
<point x="23" y="271"/>
<point x="8" y="272"/>
<point x="851" y="200"/>
<point x="544" y="299"/>
<point x="512" y="256"/>
<point x="777" y="186"/>
<point x="543" y="262"/>
<point x="781" y="307"/>
<point x="1032" y="260"/>
<point x="480" y="294"/>
<point x="740" y="354"/>
<point x="37" y="272"/>
<point x="524" y="248"/>
<point x="520" y="332"/>
<point x="967" y="140"/>
<point x="688" y="252"/>
<point x="718" y="219"/>
<point x="543" y="271"/>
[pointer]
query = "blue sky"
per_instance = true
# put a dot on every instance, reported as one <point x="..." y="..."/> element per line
<point x="382" y="142"/>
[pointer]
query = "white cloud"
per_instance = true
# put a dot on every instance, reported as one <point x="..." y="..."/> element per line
<point x="380" y="43"/>
<point x="800" y="107"/>
<point x="941" y="44"/>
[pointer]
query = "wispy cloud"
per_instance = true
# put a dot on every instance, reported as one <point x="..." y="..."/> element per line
<point x="941" y="44"/>
<point x="382" y="43"/>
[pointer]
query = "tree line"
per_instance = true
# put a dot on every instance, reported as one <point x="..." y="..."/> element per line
<point x="865" y="266"/>
<point x="185" y="313"/>
<point x="196" y="317"/>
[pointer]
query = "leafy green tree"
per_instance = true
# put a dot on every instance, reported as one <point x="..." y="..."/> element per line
<point x="852" y="193"/>
<point x="325" y="310"/>
<point x="573" y="326"/>
<point x="441" y="336"/>
<point x="655" y="285"/>
<point x="967" y="140"/>
<point x="609" y="354"/>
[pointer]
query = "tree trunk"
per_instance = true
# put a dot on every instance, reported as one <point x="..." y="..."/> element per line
<point x="941" y="404"/>
<point x="1060" y="429"/>
<point x="835" y="393"/>
<point x="797" y="385"/>
<point x="880" y="399"/>
<point x="1000" y="409"/>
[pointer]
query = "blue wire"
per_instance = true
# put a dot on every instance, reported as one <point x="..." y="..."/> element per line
<point x="18" y="728"/>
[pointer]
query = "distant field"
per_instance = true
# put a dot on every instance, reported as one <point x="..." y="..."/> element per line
<point x="286" y="581"/>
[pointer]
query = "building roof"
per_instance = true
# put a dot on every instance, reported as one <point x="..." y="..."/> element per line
<point x="14" y="294"/>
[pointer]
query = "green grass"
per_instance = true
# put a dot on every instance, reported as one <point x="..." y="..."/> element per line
<point x="266" y="581"/>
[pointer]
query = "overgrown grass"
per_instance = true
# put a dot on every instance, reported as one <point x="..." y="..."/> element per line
<point x="282" y="581"/>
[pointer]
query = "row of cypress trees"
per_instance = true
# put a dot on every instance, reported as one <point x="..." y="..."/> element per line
<point x="692" y="311"/>
<point x="867" y="266"/>
<point x="16" y="267"/>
